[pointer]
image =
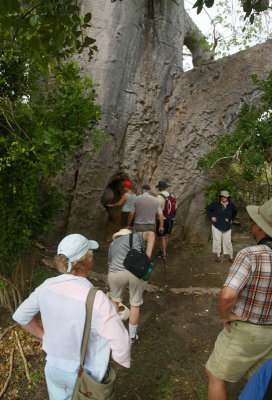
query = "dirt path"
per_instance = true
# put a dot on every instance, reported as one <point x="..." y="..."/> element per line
<point x="177" y="330"/>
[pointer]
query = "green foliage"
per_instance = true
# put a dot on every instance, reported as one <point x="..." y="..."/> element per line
<point x="233" y="33"/>
<point x="241" y="161"/>
<point x="38" y="136"/>
<point x="47" y="111"/>
<point x="251" y="8"/>
<point x="44" y="30"/>
<point x="213" y="190"/>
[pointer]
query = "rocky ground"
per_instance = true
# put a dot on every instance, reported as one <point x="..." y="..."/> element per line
<point x="178" y="326"/>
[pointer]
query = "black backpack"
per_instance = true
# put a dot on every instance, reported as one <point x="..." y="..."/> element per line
<point x="135" y="261"/>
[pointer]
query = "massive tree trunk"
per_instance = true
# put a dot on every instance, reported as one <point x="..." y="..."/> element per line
<point x="159" y="118"/>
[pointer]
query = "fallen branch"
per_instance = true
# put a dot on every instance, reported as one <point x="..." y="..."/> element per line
<point x="6" y="330"/>
<point x="23" y="357"/>
<point x="9" y="375"/>
<point x="196" y="290"/>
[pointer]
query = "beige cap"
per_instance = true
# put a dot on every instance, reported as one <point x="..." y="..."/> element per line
<point x="262" y="215"/>
<point x="224" y="193"/>
<point x="122" y="232"/>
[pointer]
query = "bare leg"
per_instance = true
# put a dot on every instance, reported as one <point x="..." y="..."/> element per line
<point x="134" y="315"/>
<point x="217" y="389"/>
<point x="133" y="322"/>
<point x="164" y="242"/>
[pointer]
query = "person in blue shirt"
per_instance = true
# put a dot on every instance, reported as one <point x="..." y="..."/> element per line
<point x="222" y="213"/>
<point x="259" y="387"/>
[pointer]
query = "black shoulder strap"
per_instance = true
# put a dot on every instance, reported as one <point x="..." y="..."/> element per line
<point x="160" y="194"/>
<point x="130" y="240"/>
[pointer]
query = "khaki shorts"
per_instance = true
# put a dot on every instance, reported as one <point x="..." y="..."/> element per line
<point x="119" y="281"/>
<point x="144" y="228"/>
<point x="241" y="351"/>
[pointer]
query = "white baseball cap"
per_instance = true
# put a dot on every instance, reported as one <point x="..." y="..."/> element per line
<point x="75" y="246"/>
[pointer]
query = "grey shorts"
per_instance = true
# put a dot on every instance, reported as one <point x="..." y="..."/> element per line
<point x="119" y="281"/>
<point x="144" y="227"/>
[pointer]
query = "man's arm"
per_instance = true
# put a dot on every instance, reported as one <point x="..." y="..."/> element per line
<point x="149" y="238"/>
<point x="227" y="299"/>
<point x="130" y="218"/>
<point x="161" y="219"/>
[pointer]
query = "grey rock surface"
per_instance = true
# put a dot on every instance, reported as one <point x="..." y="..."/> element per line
<point x="158" y="117"/>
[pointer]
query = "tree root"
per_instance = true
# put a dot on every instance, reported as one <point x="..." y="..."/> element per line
<point x="6" y="331"/>
<point x="23" y="357"/>
<point x="9" y="375"/>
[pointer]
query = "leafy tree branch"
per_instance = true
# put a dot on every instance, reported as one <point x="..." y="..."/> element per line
<point x="243" y="158"/>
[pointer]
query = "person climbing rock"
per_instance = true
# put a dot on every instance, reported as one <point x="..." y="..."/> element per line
<point x="126" y="201"/>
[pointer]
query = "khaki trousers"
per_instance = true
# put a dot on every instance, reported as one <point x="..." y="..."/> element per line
<point x="222" y="238"/>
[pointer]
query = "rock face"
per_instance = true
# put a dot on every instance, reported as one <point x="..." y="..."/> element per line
<point x="158" y="117"/>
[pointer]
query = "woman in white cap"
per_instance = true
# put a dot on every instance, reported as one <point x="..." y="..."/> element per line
<point x="62" y="303"/>
<point x="222" y="213"/>
<point x="119" y="278"/>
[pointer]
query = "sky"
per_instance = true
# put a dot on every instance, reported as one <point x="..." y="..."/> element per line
<point x="203" y="21"/>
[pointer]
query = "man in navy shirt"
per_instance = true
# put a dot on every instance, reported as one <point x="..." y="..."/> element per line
<point x="222" y="213"/>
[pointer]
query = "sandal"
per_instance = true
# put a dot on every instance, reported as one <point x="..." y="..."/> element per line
<point x="231" y="259"/>
<point x="159" y="255"/>
<point x="218" y="259"/>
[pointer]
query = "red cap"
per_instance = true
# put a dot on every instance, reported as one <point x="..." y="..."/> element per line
<point x="127" y="184"/>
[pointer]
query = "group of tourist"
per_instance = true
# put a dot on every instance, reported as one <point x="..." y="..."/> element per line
<point x="148" y="213"/>
<point x="245" y="307"/>
<point x="245" y="303"/>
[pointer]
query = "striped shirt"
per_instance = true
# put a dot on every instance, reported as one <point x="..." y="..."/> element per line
<point x="251" y="276"/>
<point x="119" y="249"/>
<point x="145" y="207"/>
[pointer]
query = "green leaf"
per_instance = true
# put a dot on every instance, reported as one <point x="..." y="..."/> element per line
<point x="60" y="40"/>
<point x="251" y="19"/>
<point x="87" y="18"/>
<point x="88" y="40"/>
<point x="209" y="3"/>
<point x="198" y="4"/>
<point x="9" y="7"/>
